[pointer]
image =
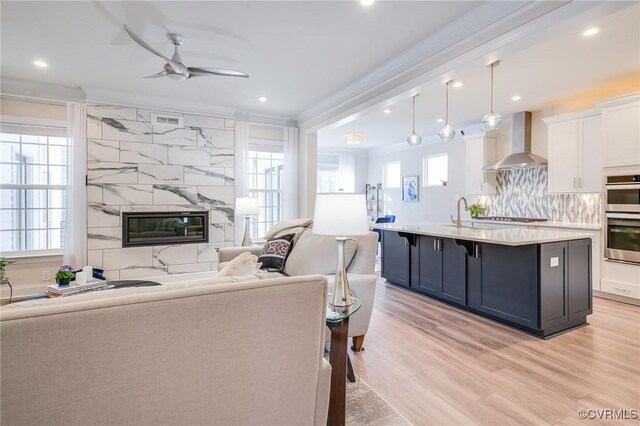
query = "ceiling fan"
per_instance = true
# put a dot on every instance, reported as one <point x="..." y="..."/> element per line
<point x="174" y="68"/>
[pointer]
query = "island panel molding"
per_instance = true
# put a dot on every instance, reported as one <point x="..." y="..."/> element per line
<point x="136" y="166"/>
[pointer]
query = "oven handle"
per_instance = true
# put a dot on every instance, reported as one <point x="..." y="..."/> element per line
<point x="628" y="231"/>
<point x="624" y="186"/>
<point x="634" y="216"/>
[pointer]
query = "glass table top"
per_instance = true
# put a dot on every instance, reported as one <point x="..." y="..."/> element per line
<point x="338" y="313"/>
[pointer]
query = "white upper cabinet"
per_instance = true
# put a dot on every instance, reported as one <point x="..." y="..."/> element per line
<point x="621" y="131"/>
<point x="481" y="151"/>
<point x="575" y="144"/>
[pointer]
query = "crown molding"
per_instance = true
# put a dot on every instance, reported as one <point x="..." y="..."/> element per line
<point x="99" y="95"/>
<point x="490" y="31"/>
<point x="56" y="93"/>
<point x="619" y="100"/>
<point x="574" y="115"/>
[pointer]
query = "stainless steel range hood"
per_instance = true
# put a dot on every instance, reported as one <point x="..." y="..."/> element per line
<point x="521" y="156"/>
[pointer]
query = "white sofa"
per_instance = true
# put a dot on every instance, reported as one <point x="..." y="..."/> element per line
<point x="236" y="350"/>
<point x="360" y="272"/>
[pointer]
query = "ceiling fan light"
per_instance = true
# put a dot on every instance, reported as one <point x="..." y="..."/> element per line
<point x="414" y="139"/>
<point x="447" y="132"/>
<point x="492" y="121"/>
<point x="176" y="76"/>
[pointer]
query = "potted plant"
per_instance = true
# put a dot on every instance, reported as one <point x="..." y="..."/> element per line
<point x="476" y="210"/>
<point x="64" y="275"/>
<point x="3" y="265"/>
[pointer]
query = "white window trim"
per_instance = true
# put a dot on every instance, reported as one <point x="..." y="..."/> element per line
<point x="36" y="255"/>
<point x="384" y="172"/>
<point x="425" y="170"/>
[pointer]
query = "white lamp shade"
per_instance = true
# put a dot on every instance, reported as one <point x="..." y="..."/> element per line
<point x="341" y="215"/>
<point x="247" y="206"/>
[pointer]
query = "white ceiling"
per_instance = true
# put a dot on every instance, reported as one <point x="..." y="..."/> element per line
<point x="542" y="74"/>
<point x="297" y="53"/>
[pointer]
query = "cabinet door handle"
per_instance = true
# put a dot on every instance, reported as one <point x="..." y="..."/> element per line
<point x="481" y="186"/>
<point x="626" y="290"/>
<point x="435" y="244"/>
<point x="579" y="182"/>
<point x="574" y="182"/>
<point x="476" y="251"/>
<point x="439" y="244"/>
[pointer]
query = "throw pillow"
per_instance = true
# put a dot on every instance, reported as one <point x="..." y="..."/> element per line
<point x="245" y="264"/>
<point x="317" y="254"/>
<point x="275" y="252"/>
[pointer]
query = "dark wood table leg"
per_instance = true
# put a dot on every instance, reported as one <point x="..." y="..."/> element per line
<point x="338" y="361"/>
<point x="350" y="374"/>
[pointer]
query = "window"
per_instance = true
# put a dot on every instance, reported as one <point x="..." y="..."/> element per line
<point x="336" y="173"/>
<point x="33" y="187"/>
<point x="436" y="170"/>
<point x="264" y="181"/>
<point x="392" y="174"/>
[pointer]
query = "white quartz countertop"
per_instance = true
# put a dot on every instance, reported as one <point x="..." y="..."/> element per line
<point x="512" y="236"/>
<point x="547" y="224"/>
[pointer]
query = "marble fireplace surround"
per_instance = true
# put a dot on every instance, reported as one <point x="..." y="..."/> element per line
<point x="133" y="165"/>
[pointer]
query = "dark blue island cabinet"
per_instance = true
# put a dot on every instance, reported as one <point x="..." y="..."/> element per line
<point x="544" y="289"/>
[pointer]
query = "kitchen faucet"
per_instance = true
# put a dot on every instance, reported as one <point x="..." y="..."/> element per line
<point x="466" y="208"/>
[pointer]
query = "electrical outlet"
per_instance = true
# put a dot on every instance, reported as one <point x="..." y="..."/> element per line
<point x="46" y="275"/>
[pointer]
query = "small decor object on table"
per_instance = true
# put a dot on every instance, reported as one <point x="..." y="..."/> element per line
<point x="64" y="275"/>
<point x="476" y="210"/>
<point x="410" y="188"/>
<point x="3" y="277"/>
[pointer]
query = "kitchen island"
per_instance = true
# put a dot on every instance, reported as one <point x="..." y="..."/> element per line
<point x="536" y="280"/>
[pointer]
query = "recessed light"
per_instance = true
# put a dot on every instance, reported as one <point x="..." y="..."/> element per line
<point x="263" y="99"/>
<point x="591" y="31"/>
<point x="440" y="120"/>
<point x="40" y="64"/>
<point x="456" y="84"/>
<point x="366" y="2"/>
<point x="515" y="98"/>
<point x="387" y="111"/>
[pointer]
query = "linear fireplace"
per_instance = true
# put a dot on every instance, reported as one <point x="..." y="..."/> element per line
<point x="158" y="228"/>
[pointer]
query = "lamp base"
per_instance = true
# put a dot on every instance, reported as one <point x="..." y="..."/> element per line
<point x="341" y="296"/>
<point x="246" y="241"/>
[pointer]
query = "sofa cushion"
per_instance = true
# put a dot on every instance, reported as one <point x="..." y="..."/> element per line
<point x="317" y="254"/>
<point x="275" y="252"/>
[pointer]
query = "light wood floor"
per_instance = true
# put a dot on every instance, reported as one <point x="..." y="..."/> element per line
<point x="436" y="364"/>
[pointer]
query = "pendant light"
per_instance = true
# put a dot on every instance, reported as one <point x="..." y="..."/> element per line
<point x="447" y="132"/>
<point x="414" y="139"/>
<point x="493" y="120"/>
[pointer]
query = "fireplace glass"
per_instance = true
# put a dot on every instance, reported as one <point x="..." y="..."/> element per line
<point x="159" y="228"/>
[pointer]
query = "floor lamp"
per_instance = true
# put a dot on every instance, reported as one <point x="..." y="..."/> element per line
<point x="247" y="207"/>
<point x="341" y="215"/>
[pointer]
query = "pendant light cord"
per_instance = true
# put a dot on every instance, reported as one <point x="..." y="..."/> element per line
<point x="446" y="112"/>
<point x="491" y="88"/>
<point x="414" y="114"/>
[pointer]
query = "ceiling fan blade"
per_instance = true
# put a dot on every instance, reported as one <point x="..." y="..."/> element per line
<point x="144" y="44"/>
<point x="156" y="75"/>
<point x="198" y="72"/>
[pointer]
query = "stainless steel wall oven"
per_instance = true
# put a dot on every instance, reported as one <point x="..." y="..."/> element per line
<point x="622" y="219"/>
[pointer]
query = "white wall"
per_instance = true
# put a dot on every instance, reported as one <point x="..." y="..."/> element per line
<point x="435" y="203"/>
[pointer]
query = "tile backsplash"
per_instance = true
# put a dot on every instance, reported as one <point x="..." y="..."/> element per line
<point x="523" y="193"/>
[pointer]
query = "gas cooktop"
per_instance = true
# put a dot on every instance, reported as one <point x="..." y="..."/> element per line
<point x="512" y="219"/>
